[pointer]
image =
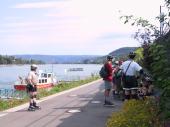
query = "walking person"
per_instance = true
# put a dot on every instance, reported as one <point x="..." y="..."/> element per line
<point x="108" y="81"/>
<point x="130" y="69"/>
<point x="32" y="80"/>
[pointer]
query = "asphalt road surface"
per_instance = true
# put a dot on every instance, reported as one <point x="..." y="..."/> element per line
<point x="81" y="107"/>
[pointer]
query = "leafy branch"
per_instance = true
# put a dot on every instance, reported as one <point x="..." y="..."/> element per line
<point x="146" y="32"/>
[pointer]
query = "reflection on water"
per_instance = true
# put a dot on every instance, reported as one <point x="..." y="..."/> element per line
<point x="9" y="74"/>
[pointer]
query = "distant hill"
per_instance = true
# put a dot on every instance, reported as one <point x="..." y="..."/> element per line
<point x="58" y="58"/>
<point x="117" y="54"/>
<point x="70" y="59"/>
<point x="122" y="51"/>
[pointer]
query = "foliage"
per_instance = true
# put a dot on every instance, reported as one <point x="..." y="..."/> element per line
<point x="136" y="113"/>
<point x="6" y="104"/>
<point x="139" y="55"/>
<point x="156" y="60"/>
<point x="165" y="17"/>
<point x="160" y="68"/>
<point x="13" y="60"/>
<point x="167" y="2"/>
<point x="156" y="54"/>
<point x="147" y="32"/>
<point x="159" y="64"/>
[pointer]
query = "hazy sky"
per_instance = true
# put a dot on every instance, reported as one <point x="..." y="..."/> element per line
<point x="69" y="27"/>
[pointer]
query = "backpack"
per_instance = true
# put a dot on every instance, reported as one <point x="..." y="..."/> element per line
<point x="103" y="72"/>
<point x="118" y="73"/>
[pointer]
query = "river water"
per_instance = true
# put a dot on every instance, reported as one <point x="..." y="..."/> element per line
<point x="9" y="73"/>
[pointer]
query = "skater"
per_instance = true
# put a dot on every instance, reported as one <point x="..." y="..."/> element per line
<point x="32" y="80"/>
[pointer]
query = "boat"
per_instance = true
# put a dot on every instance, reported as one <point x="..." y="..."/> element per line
<point x="75" y="69"/>
<point x="46" y="80"/>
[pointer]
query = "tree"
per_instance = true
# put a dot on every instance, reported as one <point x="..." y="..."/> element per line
<point x="146" y="31"/>
<point x="156" y="51"/>
<point x="12" y="60"/>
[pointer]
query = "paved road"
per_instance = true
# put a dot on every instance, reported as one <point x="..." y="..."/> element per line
<point x="54" y="112"/>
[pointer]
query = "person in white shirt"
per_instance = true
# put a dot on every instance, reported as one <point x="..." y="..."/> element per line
<point x="130" y="69"/>
<point x="32" y="80"/>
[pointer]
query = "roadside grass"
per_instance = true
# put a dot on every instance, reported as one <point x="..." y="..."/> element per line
<point x="10" y="103"/>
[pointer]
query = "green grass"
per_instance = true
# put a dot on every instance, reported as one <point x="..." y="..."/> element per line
<point x="6" y="104"/>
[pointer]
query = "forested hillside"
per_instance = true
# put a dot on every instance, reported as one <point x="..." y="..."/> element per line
<point x="58" y="59"/>
<point x="117" y="54"/>
<point x="13" y="60"/>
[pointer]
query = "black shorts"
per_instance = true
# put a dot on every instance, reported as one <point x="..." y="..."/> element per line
<point x="118" y="83"/>
<point x="130" y="82"/>
<point x="31" y="88"/>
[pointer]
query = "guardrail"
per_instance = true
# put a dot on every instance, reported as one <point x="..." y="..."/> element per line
<point x="12" y="94"/>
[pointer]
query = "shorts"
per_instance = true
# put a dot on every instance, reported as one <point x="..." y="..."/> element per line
<point x="31" y="88"/>
<point x="114" y="80"/>
<point x="118" y="83"/>
<point x="108" y="85"/>
<point x="130" y="83"/>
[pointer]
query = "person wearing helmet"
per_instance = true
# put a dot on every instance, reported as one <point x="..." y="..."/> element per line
<point x="130" y="69"/>
<point x="117" y="80"/>
<point x="32" y="80"/>
<point x="115" y="66"/>
<point x="108" y="80"/>
<point x="116" y="62"/>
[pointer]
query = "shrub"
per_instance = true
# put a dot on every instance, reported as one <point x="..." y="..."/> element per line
<point x="160" y="68"/>
<point x="136" y="113"/>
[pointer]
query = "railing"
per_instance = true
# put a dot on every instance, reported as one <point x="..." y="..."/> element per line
<point x="12" y="94"/>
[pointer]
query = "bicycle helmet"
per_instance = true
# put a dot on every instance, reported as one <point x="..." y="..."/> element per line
<point x="34" y="67"/>
<point x="109" y="57"/>
<point x="132" y="55"/>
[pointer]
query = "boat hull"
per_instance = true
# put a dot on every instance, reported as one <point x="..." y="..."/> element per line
<point x="22" y="87"/>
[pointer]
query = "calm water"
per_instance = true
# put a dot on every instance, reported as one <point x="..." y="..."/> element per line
<point x="9" y="74"/>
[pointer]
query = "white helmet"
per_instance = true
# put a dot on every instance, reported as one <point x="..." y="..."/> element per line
<point x="116" y="62"/>
<point x="34" y="66"/>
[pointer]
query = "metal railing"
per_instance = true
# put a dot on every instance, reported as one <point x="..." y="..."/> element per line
<point x="12" y="94"/>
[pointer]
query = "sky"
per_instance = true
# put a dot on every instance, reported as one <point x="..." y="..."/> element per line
<point x="70" y="27"/>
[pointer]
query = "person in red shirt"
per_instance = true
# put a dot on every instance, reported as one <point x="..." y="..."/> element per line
<point x="108" y="80"/>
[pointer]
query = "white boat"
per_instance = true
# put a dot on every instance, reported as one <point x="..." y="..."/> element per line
<point x="45" y="80"/>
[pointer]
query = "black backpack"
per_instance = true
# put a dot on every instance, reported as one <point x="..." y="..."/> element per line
<point x="103" y="72"/>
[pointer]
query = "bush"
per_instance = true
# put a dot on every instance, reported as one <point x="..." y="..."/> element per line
<point x="160" y="68"/>
<point x="136" y="113"/>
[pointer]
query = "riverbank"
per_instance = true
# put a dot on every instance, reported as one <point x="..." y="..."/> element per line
<point x="6" y="104"/>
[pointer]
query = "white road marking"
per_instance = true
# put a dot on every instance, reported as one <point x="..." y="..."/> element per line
<point x="95" y="102"/>
<point x="1" y="115"/>
<point x="74" y="111"/>
<point x="73" y="95"/>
